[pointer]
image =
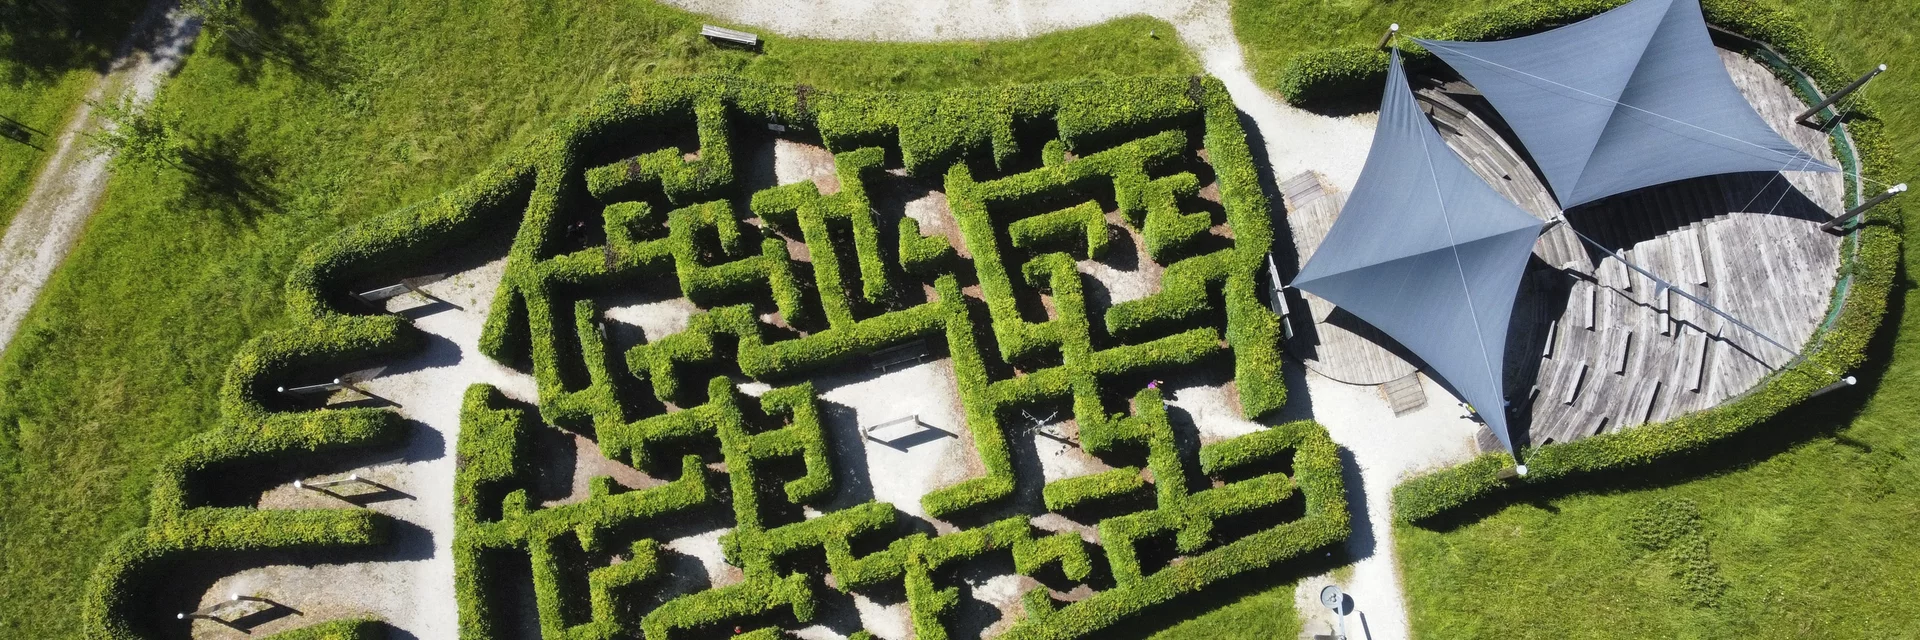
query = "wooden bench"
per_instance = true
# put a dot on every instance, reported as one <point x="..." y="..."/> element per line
<point x="1280" y="299"/>
<point x="1572" y="391"/>
<point x="912" y="351"/>
<point x="895" y="430"/>
<point x="722" y="34"/>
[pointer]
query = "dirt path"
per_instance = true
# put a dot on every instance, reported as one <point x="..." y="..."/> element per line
<point x="70" y="186"/>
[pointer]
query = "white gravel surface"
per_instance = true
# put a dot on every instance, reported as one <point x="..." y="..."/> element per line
<point x="69" y="186"/>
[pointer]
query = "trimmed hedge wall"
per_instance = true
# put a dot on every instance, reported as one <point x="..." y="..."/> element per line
<point x="863" y="291"/>
<point x="674" y="216"/>
<point x="1838" y="349"/>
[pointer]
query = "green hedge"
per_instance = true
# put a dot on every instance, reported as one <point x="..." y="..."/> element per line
<point x="1838" y="349"/>
<point x="671" y="217"/>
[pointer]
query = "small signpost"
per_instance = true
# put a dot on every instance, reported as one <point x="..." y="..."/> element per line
<point x="1048" y="428"/>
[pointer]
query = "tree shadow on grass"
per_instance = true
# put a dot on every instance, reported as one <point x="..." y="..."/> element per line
<point x="258" y="34"/>
<point x="1817" y="418"/>
<point x="227" y="175"/>
<point x="43" y="39"/>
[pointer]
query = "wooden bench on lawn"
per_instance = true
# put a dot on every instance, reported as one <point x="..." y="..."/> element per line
<point x="723" y="34"/>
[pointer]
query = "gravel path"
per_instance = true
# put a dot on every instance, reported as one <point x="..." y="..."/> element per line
<point x="68" y="189"/>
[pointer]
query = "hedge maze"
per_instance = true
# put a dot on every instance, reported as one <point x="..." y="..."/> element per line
<point x="793" y="281"/>
<point x="672" y="408"/>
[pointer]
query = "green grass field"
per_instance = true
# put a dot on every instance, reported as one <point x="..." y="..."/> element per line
<point x="1806" y="531"/>
<point x="396" y="102"/>
<point x="48" y="60"/>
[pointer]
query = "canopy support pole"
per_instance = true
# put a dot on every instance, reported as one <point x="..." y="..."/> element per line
<point x="1388" y="38"/>
<point x="1807" y="117"/>
<point x="1864" y="206"/>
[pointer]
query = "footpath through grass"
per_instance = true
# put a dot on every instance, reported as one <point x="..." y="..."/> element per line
<point x="1806" y="530"/>
<point x="50" y="54"/>
<point x="360" y="108"/>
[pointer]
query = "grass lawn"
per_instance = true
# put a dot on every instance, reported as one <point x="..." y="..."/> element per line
<point x="1805" y="531"/>
<point x="47" y="62"/>
<point x="123" y="355"/>
<point x="1263" y="615"/>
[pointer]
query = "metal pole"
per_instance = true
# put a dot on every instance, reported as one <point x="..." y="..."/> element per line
<point x="1864" y="206"/>
<point x="1842" y="384"/>
<point x="1837" y="95"/>
<point x="1388" y="38"/>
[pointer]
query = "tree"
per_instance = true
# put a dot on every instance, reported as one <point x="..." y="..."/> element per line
<point x="136" y="134"/>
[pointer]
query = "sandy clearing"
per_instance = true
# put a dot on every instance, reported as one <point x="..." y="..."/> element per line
<point x="903" y="470"/>
<point x="65" y="193"/>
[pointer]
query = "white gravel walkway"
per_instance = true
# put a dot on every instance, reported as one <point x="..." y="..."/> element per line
<point x="69" y="186"/>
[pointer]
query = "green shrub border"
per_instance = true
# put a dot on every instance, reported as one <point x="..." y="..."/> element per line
<point x="1867" y="279"/>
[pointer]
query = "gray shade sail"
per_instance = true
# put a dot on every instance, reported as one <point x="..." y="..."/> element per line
<point x="1427" y="252"/>
<point x="1630" y="98"/>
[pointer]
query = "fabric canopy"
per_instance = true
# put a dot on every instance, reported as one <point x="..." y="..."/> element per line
<point x="1427" y="252"/>
<point x="1630" y="98"/>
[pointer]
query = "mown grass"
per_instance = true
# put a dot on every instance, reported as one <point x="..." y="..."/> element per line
<point x="1261" y="615"/>
<point x="1271" y="32"/>
<point x="1808" y="527"/>
<point x="360" y="108"/>
<point x="50" y="54"/>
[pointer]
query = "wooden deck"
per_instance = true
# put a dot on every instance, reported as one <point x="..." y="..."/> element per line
<point x="1336" y="344"/>
<point x="1593" y="346"/>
